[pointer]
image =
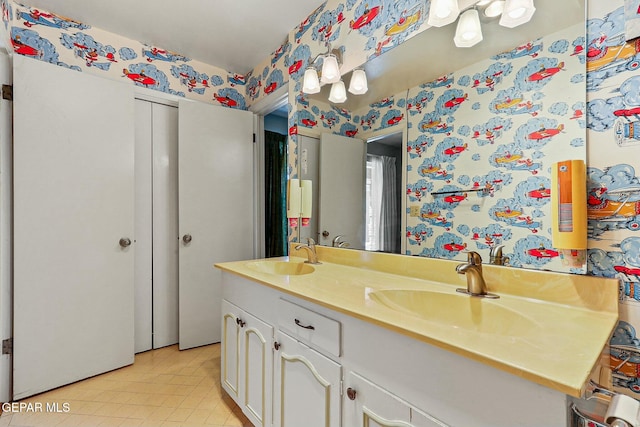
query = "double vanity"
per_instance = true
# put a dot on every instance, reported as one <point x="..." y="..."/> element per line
<point x="371" y="339"/>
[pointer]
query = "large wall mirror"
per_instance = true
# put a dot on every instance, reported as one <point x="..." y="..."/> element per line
<point x="460" y="153"/>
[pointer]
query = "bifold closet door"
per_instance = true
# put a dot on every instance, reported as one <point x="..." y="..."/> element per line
<point x="156" y="213"/>
<point x="73" y="226"/>
<point x="165" y="225"/>
<point x="216" y="212"/>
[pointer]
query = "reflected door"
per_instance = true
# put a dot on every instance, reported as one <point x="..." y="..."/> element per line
<point x="342" y="181"/>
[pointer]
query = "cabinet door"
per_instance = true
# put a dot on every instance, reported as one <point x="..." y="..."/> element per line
<point x="367" y="405"/>
<point x="230" y="349"/>
<point x="306" y="386"/>
<point x="256" y="370"/>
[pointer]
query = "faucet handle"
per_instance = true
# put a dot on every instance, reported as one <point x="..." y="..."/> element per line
<point x="474" y="258"/>
<point x="496" y="251"/>
<point x="310" y="242"/>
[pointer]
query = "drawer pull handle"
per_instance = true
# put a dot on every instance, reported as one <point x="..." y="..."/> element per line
<point x="304" y="326"/>
<point x="276" y="345"/>
<point x="241" y="322"/>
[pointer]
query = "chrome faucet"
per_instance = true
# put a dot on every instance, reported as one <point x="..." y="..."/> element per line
<point x="338" y="243"/>
<point x="472" y="269"/>
<point x="496" y="257"/>
<point x="310" y="247"/>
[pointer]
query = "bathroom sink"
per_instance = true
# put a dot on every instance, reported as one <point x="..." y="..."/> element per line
<point x="281" y="268"/>
<point x="457" y="310"/>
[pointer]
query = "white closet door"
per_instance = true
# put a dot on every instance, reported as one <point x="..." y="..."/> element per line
<point x="215" y="210"/>
<point x="143" y="228"/>
<point x="342" y="181"/>
<point x="165" y="225"/>
<point x="73" y="202"/>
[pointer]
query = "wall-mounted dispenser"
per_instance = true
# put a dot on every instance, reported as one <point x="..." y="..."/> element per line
<point x="294" y="195"/>
<point x="569" y="210"/>
<point x="299" y="201"/>
<point x="306" y="201"/>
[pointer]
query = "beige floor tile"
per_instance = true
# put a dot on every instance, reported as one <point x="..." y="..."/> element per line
<point x="163" y="387"/>
<point x="180" y="414"/>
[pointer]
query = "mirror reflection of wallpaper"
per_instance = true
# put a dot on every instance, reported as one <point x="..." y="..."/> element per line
<point x="496" y="126"/>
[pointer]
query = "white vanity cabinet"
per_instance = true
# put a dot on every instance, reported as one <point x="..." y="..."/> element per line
<point x="247" y="362"/>
<point x="306" y="386"/>
<point x="295" y="366"/>
<point x="368" y="405"/>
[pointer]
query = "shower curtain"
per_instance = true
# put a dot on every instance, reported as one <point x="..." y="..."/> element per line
<point x="275" y="194"/>
<point x="382" y="205"/>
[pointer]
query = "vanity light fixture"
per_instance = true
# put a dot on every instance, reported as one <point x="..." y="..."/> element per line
<point x="468" y="31"/>
<point x="517" y="12"/>
<point x="358" y="83"/>
<point x="443" y="12"/>
<point x="330" y="74"/>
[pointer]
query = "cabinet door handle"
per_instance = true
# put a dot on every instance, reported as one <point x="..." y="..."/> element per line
<point x="276" y="345"/>
<point x="241" y="322"/>
<point x="304" y="326"/>
<point x="351" y="393"/>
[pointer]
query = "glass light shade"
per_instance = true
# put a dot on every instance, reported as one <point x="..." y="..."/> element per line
<point x="494" y="9"/>
<point x="517" y="12"/>
<point x="468" y="31"/>
<point x="358" y="83"/>
<point x="443" y="12"/>
<point x="338" y="94"/>
<point x="310" y="84"/>
<point x="330" y="69"/>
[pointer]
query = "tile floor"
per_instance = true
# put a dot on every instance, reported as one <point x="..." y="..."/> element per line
<point x="164" y="387"/>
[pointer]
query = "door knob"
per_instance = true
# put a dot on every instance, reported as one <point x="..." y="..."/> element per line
<point x="325" y="233"/>
<point x="351" y="393"/>
<point x="125" y="242"/>
<point x="186" y="239"/>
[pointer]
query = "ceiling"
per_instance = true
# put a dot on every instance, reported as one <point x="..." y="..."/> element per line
<point x="235" y="35"/>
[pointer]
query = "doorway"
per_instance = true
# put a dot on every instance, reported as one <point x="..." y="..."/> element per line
<point x="383" y="187"/>
<point x="156" y="225"/>
<point x="275" y="183"/>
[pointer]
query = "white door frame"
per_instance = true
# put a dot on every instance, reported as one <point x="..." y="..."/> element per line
<point x="265" y="106"/>
<point x="6" y="225"/>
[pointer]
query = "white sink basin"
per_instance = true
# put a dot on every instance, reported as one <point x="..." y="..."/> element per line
<point x="457" y="310"/>
<point x="281" y="268"/>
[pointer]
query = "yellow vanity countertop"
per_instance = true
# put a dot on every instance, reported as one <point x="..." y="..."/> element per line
<point x="549" y="328"/>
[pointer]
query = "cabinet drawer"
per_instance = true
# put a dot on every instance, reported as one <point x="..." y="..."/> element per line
<point x="310" y="327"/>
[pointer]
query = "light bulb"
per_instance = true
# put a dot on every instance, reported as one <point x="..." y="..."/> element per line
<point x="468" y="31"/>
<point x="330" y="69"/>
<point x="517" y="12"/>
<point x="358" y="83"/>
<point x="442" y="12"/>
<point x="338" y="94"/>
<point x="310" y="84"/>
<point x="494" y="9"/>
